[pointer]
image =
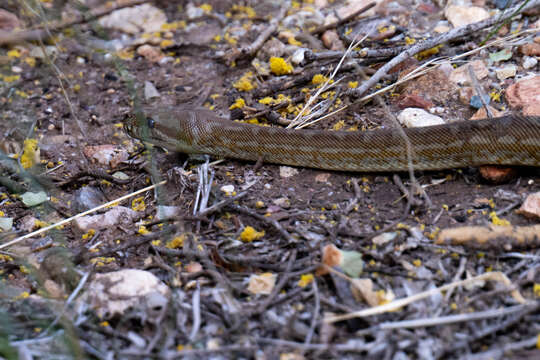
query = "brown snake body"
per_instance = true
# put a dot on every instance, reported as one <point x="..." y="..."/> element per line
<point x="509" y="140"/>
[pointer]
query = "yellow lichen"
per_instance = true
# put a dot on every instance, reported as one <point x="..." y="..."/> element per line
<point x="177" y="242"/>
<point x="319" y="79"/>
<point x="279" y="66"/>
<point x="305" y="280"/>
<point x="238" y="104"/>
<point x="245" y="83"/>
<point x="30" y="155"/>
<point x="249" y="234"/>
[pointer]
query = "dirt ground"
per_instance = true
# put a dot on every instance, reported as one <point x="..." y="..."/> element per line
<point x="243" y="275"/>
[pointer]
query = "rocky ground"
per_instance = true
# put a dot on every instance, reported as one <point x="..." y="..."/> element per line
<point x="229" y="259"/>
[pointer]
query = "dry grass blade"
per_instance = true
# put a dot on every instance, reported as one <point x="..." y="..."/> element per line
<point x="397" y="304"/>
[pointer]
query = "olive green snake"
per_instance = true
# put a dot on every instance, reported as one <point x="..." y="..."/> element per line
<point x="508" y="140"/>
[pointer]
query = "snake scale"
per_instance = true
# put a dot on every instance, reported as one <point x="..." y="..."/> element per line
<point x="508" y="140"/>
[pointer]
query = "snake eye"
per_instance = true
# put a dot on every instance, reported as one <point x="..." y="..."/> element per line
<point x="151" y="122"/>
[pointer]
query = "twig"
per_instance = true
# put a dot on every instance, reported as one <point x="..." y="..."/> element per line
<point x="196" y="304"/>
<point x="275" y="224"/>
<point x="397" y="304"/>
<point x="316" y="310"/>
<point x="65" y="221"/>
<point x="323" y="28"/>
<point x="452" y="319"/>
<point x="443" y="38"/>
<point x="252" y="49"/>
<point x="45" y="30"/>
<point x="479" y="92"/>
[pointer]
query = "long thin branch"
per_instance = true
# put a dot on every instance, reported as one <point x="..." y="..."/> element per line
<point x="44" y="30"/>
<point x="443" y="38"/>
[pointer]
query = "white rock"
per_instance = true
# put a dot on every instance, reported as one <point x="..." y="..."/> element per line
<point x="529" y="62"/>
<point x="414" y="117"/>
<point x="113" y="293"/>
<point x="464" y="15"/>
<point x="461" y="76"/>
<point x="193" y="11"/>
<point x="227" y="189"/>
<point x="150" y="91"/>
<point x="117" y="215"/>
<point x="287" y="171"/>
<point x="506" y="72"/>
<point x="6" y="223"/>
<point x="298" y="56"/>
<point x="136" y="19"/>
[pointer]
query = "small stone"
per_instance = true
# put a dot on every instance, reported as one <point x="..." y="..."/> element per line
<point x="414" y="101"/>
<point x="529" y="62"/>
<point x="87" y="198"/>
<point x="481" y="113"/>
<point x="150" y="53"/>
<point x="506" y="72"/>
<point x="34" y="198"/>
<point x="465" y="94"/>
<point x="461" y="76"/>
<point x="525" y="94"/>
<point x="150" y="91"/>
<point x="497" y="174"/>
<point x="531" y="206"/>
<point x="116" y="216"/>
<point x="465" y="15"/>
<point x="287" y="171"/>
<point x="298" y="56"/>
<point x="476" y="101"/>
<point x="135" y="19"/>
<point x="322" y="177"/>
<point x="227" y="189"/>
<point x="283" y="202"/>
<point x="331" y="40"/>
<point x="193" y="12"/>
<point x="440" y="29"/>
<point x="531" y="49"/>
<point x="413" y="117"/>
<point x="165" y="212"/>
<point x="111" y="155"/>
<point x="6" y="223"/>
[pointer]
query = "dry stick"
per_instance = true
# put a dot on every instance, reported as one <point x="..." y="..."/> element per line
<point x="479" y="92"/>
<point x="274" y="223"/>
<point x="335" y="24"/>
<point x="252" y="49"/>
<point x="316" y="310"/>
<point x="452" y="319"/>
<point x="8" y="37"/>
<point x="65" y="221"/>
<point x="443" y="38"/>
<point x="489" y="330"/>
<point x="397" y="304"/>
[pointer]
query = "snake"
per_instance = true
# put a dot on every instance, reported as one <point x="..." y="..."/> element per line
<point x="508" y="140"/>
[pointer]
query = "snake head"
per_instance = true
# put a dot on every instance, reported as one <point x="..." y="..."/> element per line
<point x="169" y="128"/>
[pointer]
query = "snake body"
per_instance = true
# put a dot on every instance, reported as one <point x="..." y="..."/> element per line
<point x="509" y="140"/>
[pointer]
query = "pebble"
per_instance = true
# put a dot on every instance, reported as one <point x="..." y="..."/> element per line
<point x="531" y="206"/>
<point x="506" y="72"/>
<point x="414" y="117"/>
<point x="464" y="15"/>
<point x="529" y="62"/>
<point x="150" y="91"/>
